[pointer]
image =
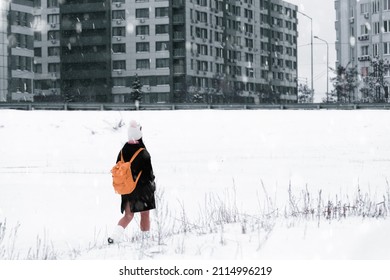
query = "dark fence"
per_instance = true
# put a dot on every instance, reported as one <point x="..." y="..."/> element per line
<point x="165" y="106"/>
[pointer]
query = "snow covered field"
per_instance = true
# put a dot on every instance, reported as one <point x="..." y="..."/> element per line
<point x="55" y="184"/>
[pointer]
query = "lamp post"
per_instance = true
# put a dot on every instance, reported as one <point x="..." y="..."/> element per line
<point x="327" y="66"/>
<point x="311" y="51"/>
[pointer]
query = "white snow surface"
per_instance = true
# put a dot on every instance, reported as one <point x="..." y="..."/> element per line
<point x="55" y="181"/>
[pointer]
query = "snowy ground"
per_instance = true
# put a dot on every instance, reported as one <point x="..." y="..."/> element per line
<point x="55" y="183"/>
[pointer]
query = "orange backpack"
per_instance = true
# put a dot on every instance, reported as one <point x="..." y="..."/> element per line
<point x="122" y="176"/>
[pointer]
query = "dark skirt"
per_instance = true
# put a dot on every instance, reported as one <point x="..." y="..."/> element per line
<point x="141" y="199"/>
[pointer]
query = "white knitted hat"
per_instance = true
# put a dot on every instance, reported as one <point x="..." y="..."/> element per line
<point x="134" y="132"/>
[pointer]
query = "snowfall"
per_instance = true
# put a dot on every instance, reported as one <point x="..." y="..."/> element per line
<point x="231" y="184"/>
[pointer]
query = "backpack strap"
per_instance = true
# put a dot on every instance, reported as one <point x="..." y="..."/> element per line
<point x="136" y="154"/>
<point x="122" y="156"/>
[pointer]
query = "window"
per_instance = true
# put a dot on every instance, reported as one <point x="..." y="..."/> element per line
<point x="118" y="31"/>
<point x="249" y="72"/>
<point x="53" y="35"/>
<point x="363" y="29"/>
<point x="386" y="26"/>
<point x="142" y="30"/>
<point x="248" y="43"/>
<point x="162" y="46"/>
<point x="249" y="57"/>
<point x="375" y="6"/>
<point x="21" y="40"/>
<point x="54" y="67"/>
<point x="144" y="80"/>
<point x="118" y="48"/>
<point x="219" y="21"/>
<point x="23" y="63"/>
<point x="53" y="18"/>
<point x="201" y="3"/>
<point x="386" y="48"/>
<point x="37" y="36"/>
<point x="202" y="65"/>
<point x="119" y="65"/>
<point x="142" y="47"/>
<point x="375" y="49"/>
<point x="118" y="14"/>
<point x="37" y="4"/>
<point x="238" y="71"/>
<point x="248" y="28"/>
<point x="162" y="80"/>
<point x="376" y="27"/>
<point x="143" y="64"/>
<point x="142" y="13"/>
<point x="201" y="16"/>
<point x="162" y="63"/>
<point x="162" y="29"/>
<point x="201" y="33"/>
<point x="23" y="85"/>
<point x="20" y="18"/>
<point x="119" y="82"/>
<point x="364" y="71"/>
<point x="38" y="68"/>
<point x="386" y="4"/>
<point x="37" y="22"/>
<point x="19" y="62"/>
<point x="38" y="52"/>
<point x="52" y="3"/>
<point x="288" y="25"/>
<point x="248" y="13"/>
<point x="161" y="12"/>
<point x="364" y="50"/>
<point x="53" y="51"/>
<point x="365" y="8"/>
<point x="202" y="49"/>
<point x="250" y="87"/>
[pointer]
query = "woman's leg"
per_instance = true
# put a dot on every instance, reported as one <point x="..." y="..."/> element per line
<point x="127" y="217"/>
<point x="145" y="221"/>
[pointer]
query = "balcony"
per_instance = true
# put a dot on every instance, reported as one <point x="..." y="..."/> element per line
<point x="364" y="37"/>
<point x="364" y="58"/>
<point x="178" y="3"/>
<point x="85" y="57"/>
<point x="88" y="24"/>
<point x="178" y="19"/>
<point x="91" y="7"/>
<point x="179" y="52"/>
<point x="86" y="74"/>
<point x="178" y="35"/>
<point x="178" y="69"/>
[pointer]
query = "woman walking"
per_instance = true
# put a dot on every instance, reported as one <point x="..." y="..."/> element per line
<point x="142" y="198"/>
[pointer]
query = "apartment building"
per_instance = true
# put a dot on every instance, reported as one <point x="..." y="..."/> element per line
<point x="180" y="50"/>
<point x="46" y="66"/>
<point x="4" y="8"/>
<point x="85" y="53"/>
<point x="20" y="50"/>
<point x="362" y="34"/>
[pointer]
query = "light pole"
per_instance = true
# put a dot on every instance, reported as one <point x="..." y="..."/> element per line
<point x="311" y="51"/>
<point x="327" y="67"/>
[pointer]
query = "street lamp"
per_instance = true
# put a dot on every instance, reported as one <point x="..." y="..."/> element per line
<point x="311" y="48"/>
<point x="327" y="66"/>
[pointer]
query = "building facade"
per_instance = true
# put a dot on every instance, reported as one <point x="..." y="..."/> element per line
<point x="4" y="8"/>
<point x="363" y="35"/>
<point x="219" y="51"/>
<point x="20" y="44"/>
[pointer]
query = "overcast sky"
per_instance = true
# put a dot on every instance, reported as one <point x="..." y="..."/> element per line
<point x="323" y="14"/>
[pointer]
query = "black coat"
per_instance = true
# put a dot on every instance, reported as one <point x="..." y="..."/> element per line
<point x="142" y="198"/>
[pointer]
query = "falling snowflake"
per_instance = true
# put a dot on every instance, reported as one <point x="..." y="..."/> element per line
<point x="352" y="41"/>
